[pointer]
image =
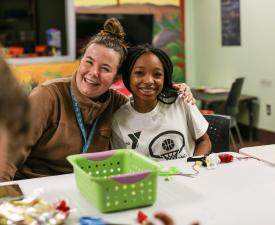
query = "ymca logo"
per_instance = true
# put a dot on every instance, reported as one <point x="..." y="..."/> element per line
<point x="134" y="138"/>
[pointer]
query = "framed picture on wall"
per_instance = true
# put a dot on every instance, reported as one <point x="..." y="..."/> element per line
<point x="231" y="31"/>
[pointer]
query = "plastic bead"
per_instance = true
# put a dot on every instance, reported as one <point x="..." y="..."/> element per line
<point x="141" y="217"/>
<point x="226" y="158"/>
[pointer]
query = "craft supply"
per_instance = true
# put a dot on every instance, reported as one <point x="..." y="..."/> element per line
<point x="117" y="179"/>
<point x="141" y="217"/>
<point x="32" y="211"/>
<point x="173" y="171"/>
<point x="212" y="161"/>
<point x="91" y="220"/>
<point x="201" y="159"/>
<point x="226" y="158"/>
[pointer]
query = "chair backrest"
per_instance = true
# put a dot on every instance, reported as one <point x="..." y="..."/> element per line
<point x="232" y="103"/>
<point x="218" y="132"/>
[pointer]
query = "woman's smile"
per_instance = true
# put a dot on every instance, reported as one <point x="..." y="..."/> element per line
<point x="91" y="81"/>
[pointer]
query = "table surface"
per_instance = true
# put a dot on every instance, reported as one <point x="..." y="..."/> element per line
<point x="218" y="97"/>
<point x="266" y="153"/>
<point x="241" y="192"/>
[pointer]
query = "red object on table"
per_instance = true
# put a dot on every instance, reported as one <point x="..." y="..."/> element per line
<point x="141" y="217"/>
<point x="62" y="206"/>
<point x="226" y="158"/>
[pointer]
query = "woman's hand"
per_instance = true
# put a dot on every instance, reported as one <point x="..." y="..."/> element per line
<point x="185" y="92"/>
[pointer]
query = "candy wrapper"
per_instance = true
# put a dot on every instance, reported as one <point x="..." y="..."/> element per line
<point x="33" y="211"/>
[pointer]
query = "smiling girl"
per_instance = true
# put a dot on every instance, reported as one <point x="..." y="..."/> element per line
<point x="156" y="122"/>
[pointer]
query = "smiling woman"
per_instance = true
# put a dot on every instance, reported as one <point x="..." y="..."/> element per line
<point x="97" y="70"/>
<point x="73" y="115"/>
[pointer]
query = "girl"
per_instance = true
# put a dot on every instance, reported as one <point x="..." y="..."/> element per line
<point x="156" y="122"/>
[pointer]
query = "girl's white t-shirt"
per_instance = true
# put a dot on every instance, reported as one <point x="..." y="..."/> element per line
<point x="167" y="132"/>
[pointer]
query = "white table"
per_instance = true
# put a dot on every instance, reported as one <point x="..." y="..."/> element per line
<point x="264" y="153"/>
<point x="241" y="192"/>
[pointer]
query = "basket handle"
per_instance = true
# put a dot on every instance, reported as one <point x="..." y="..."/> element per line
<point x="99" y="155"/>
<point x="130" y="178"/>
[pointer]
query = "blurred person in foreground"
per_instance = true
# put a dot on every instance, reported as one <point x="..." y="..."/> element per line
<point x="14" y="122"/>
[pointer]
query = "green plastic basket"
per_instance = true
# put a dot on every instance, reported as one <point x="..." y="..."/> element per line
<point x="117" y="179"/>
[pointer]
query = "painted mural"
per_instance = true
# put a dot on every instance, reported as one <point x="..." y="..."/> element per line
<point x="32" y="75"/>
<point x="168" y="23"/>
<point x="167" y="34"/>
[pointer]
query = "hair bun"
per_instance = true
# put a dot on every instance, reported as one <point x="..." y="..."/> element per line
<point x="113" y="27"/>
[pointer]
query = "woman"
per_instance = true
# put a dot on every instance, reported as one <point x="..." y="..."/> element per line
<point x="14" y="122"/>
<point x="86" y="96"/>
<point x="73" y="115"/>
<point x="156" y="122"/>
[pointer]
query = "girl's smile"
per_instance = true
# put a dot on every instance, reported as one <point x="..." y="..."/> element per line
<point x="146" y="81"/>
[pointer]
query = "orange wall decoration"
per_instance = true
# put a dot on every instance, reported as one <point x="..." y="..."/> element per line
<point x="33" y="74"/>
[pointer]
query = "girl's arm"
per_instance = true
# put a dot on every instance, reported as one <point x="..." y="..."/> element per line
<point x="203" y="145"/>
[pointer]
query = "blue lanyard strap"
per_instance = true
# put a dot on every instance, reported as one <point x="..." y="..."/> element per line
<point x="79" y="118"/>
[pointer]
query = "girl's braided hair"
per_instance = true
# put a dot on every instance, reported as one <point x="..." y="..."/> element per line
<point x="168" y="94"/>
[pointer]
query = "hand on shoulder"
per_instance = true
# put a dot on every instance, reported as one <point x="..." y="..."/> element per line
<point x="185" y="92"/>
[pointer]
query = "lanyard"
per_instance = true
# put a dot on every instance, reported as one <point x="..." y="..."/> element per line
<point x="87" y="141"/>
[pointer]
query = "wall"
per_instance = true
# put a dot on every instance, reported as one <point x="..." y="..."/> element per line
<point x="210" y="64"/>
<point x="166" y="32"/>
<point x="167" y="24"/>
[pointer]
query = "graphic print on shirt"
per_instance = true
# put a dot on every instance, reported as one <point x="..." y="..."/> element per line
<point x="134" y="138"/>
<point x="167" y="145"/>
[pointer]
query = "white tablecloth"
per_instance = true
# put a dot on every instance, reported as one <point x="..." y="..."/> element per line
<point x="241" y="192"/>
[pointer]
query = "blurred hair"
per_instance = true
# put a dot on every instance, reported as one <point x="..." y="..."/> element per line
<point x="168" y="94"/>
<point x="112" y="36"/>
<point x="14" y="106"/>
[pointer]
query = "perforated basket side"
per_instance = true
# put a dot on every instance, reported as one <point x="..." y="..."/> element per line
<point x="136" y="162"/>
<point x="120" y="196"/>
<point x="96" y="180"/>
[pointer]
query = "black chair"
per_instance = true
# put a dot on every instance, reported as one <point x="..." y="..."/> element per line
<point x="218" y="132"/>
<point x="231" y="107"/>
